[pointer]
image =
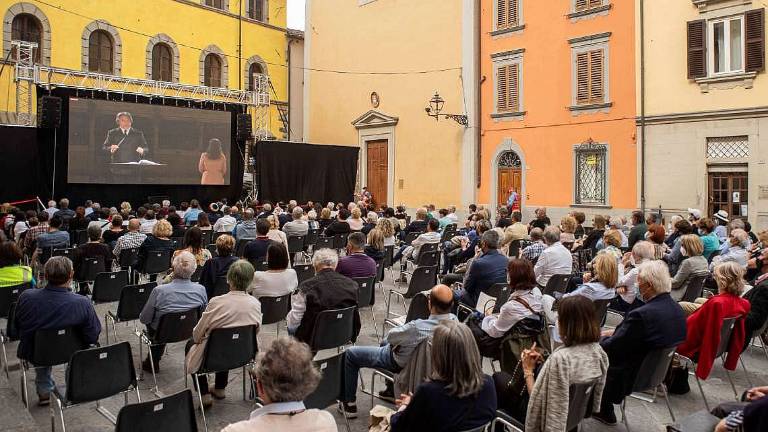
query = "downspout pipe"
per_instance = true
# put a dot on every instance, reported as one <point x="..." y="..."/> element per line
<point x="642" y="106"/>
<point x="478" y="95"/>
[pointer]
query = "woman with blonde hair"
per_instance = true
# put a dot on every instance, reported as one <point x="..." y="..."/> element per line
<point x="387" y="231"/>
<point x="375" y="245"/>
<point x="275" y="234"/>
<point x="694" y="265"/>
<point x="567" y="231"/>
<point x="355" y="220"/>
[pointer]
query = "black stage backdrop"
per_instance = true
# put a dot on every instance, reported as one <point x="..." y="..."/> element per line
<point x="27" y="159"/>
<point x="305" y="172"/>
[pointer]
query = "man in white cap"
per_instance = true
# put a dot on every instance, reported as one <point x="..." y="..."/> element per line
<point x="722" y="225"/>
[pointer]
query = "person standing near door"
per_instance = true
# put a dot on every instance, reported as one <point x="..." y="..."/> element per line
<point x="513" y="202"/>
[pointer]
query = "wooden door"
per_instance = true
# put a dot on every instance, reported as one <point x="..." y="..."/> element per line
<point x="509" y="178"/>
<point x="377" y="170"/>
<point x="728" y="191"/>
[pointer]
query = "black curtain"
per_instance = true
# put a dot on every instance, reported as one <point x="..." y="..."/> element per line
<point x="27" y="159"/>
<point x="305" y="172"/>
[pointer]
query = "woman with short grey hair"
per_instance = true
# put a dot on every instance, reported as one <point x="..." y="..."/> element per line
<point x="458" y="396"/>
<point x="184" y="265"/>
<point x="325" y="258"/>
<point x="285" y="375"/>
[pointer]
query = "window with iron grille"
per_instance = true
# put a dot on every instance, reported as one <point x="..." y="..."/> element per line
<point x="591" y="174"/>
<point x="733" y="147"/>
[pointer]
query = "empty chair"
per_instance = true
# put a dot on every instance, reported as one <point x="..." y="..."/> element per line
<point x="366" y="296"/>
<point x="158" y="261"/>
<point x="333" y="328"/>
<point x="558" y="282"/>
<point x="207" y="235"/>
<point x="295" y="245"/>
<point x="174" y="327"/>
<point x="601" y="311"/>
<point x="227" y="349"/>
<point x="328" y="391"/>
<point x="107" y="286"/>
<point x="653" y="370"/>
<point x="85" y="379"/>
<point x="131" y="302"/>
<point x="311" y="238"/>
<point x="9" y="334"/>
<point x="174" y="413"/>
<point x="422" y="278"/>
<point x="275" y="309"/>
<point x="129" y="258"/>
<point x="304" y="272"/>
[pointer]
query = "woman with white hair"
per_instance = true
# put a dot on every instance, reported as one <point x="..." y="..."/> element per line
<point x="627" y="288"/>
<point x="355" y="220"/>
<point x="285" y="375"/>
<point x="371" y="218"/>
<point x="736" y="250"/>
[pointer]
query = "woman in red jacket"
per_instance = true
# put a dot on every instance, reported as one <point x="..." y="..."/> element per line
<point x="704" y="324"/>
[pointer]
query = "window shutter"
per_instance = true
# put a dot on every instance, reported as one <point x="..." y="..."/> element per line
<point x="502" y="89"/>
<point x="514" y="87"/>
<point x="582" y="4"/>
<point x="595" y="3"/>
<point x="596" y="84"/>
<point x="514" y="17"/>
<point x="755" y="40"/>
<point x="501" y="14"/>
<point x="582" y="78"/>
<point x="697" y="49"/>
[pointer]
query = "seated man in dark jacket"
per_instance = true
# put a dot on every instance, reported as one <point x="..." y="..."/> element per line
<point x="659" y="324"/>
<point x="340" y="225"/>
<point x="93" y="249"/>
<point x="487" y="269"/>
<point x="326" y="290"/>
<point x="256" y="250"/>
<point x="54" y="307"/>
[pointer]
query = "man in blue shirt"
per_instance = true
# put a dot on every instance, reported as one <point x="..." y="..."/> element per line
<point x="180" y="295"/>
<point x="55" y="237"/>
<point x="487" y="269"/>
<point x="54" y="307"/>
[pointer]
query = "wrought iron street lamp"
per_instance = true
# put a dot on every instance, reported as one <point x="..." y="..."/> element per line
<point x="435" y="108"/>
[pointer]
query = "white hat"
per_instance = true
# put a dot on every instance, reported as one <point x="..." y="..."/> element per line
<point x="696" y="213"/>
<point x="722" y="215"/>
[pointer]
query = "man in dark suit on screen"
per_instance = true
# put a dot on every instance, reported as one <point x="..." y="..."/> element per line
<point x="125" y="143"/>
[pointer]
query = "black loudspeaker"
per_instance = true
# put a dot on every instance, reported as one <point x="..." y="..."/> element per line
<point x="244" y="128"/>
<point x="49" y="112"/>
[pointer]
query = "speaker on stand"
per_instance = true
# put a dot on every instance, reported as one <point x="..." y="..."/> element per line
<point x="49" y="117"/>
<point x="245" y="137"/>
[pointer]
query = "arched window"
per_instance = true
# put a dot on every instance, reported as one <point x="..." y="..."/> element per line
<point x="212" y="71"/>
<point x="253" y="73"/>
<point x="100" y="52"/>
<point x="510" y="159"/>
<point x="162" y="63"/>
<point x="26" y="27"/>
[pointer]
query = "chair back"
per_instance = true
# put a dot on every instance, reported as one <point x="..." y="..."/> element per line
<point x="240" y="247"/>
<point x="583" y="257"/>
<point x="419" y="307"/>
<point x="81" y="237"/>
<point x="295" y="244"/>
<point x="176" y="326"/>
<point x="98" y="373"/>
<point x="177" y="242"/>
<point x="389" y="253"/>
<point x="158" y="261"/>
<point x="324" y="243"/>
<point x="448" y="233"/>
<point x="713" y="255"/>
<point x="221" y="286"/>
<point x="311" y="238"/>
<point x="91" y="267"/>
<point x="196" y="275"/>
<point x="333" y="328"/>
<point x="515" y="248"/>
<point x="260" y="265"/>
<point x="558" y="282"/>
<point x="653" y="369"/>
<point x="726" y="330"/>
<point x="129" y="257"/>
<point x="428" y="258"/>
<point x="601" y="311"/>
<point x="579" y="403"/>
<point x="207" y="236"/>
<point x="174" y="413"/>
<point x="303" y="271"/>
<point x="55" y="346"/>
<point x="132" y="300"/>
<point x="694" y="288"/>
<point x="340" y="241"/>
<point x="67" y="252"/>
<point x="328" y="390"/>
<point x="212" y="249"/>
<point x="499" y="291"/>
<point x="422" y="279"/>
<point x="380" y="270"/>
<point x="215" y="236"/>
<point x="411" y="236"/>
<point x="365" y="288"/>
<point x="229" y="348"/>
<point x="107" y="286"/>
<point x="10" y="295"/>
<point x="274" y="309"/>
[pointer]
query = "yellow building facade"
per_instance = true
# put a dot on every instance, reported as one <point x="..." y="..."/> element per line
<point x="371" y="68"/>
<point x="703" y="90"/>
<point x="240" y="33"/>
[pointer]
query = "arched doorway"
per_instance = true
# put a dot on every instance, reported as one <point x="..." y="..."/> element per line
<point x="509" y="176"/>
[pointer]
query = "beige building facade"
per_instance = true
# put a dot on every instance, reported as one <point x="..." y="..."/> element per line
<point x="371" y="67"/>
<point x="703" y="91"/>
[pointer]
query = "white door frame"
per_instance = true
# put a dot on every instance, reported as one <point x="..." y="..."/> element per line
<point x="507" y="145"/>
<point x="373" y="126"/>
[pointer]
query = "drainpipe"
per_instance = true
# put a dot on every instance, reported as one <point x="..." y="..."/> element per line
<point x="290" y="108"/>
<point x="642" y="105"/>
<point x="479" y="96"/>
<point x="240" y="46"/>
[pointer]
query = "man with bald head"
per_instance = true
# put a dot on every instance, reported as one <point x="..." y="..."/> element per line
<point x="397" y="347"/>
<point x="132" y="239"/>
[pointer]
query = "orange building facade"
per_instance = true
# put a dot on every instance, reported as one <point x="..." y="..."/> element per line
<point x="558" y="105"/>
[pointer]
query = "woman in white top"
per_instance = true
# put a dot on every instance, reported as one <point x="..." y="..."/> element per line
<point x="279" y="279"/>
<point x="599" y="285"/>
<point x="387" y="230"/>
<point x="355" y="220"/>
<point x="275" y="234"/>
<point x="523" y="302"/>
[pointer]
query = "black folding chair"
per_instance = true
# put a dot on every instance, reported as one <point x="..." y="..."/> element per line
<point x="67" y="252"/>
<point x="107" y="286"/>
<point x="499" y="292"/>
<point x="260" y="265"/>
<point x="212" y="249"/>
<point x="177" y="243"/>
<point x="174" y="327"/>
<point x="694" y="288"/>
<point x="207" y="236"/>
<point x="158" y="261"/>
<point x="340" y="241"/>
<point x="324" y="243"/>
<point x="51" y="347"/>
<point x="174" y="413"/>
<point x="240" y="247"/>
<point x="129" y="259"/>
<point x="651" y="376"/>
<point x="423" y="279"/>
<point x="81" y="237"/>
<point x="8" y="297"/>
<point x="304" y="272"/>
<point x="131" y="302"/>
<point x="274" y="310"/>
<point x="227" y="349"/>
<point x="411" y="236"/>
<point x="311" y="239"/>
<point x="580" y="403"/>
<point x="90" y="267"/>
<point x="366" y="297"/>
<point x="333" y="328"/>
<point x="601" y="311"/>
<point x="417" y="309"/>
<point x="221" y="287"/>
<point x="196" y="275"/>
<point x="558" y="282"/>
<point x="295" y="246"/>
<point x="328" y="391"/>
<point x="86" y="379"/>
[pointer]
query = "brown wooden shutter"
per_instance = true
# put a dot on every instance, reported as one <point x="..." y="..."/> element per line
<point x="697" y="49"/>
<point x="755" y="40"/>
<point x="514" y="87"/>
<point x="582" y="78"/>
<point x="514" y="17"/>
<point x="596" y="84"/>
<point x="581" y="5"/>
<point x="595" y="3"/>
<point x="501" y="14"/>
<point x="502" y="89"/>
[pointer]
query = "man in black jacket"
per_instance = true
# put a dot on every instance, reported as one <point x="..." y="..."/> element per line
<point x="659" y="324"/>
<point x="326" y="290"/>
<point x="124" y="143"/>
